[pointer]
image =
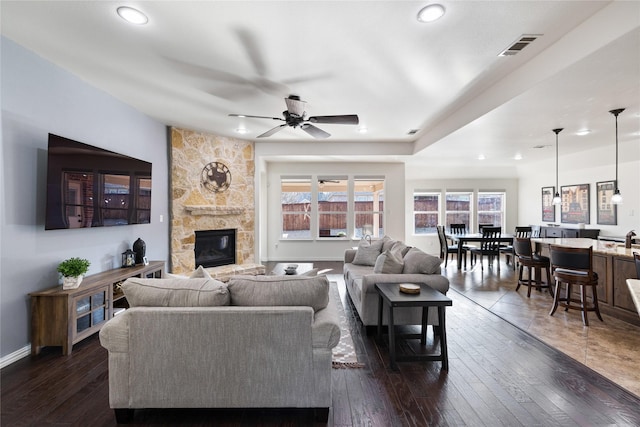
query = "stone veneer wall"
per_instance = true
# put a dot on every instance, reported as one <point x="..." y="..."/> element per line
<point x="194" y="207"/>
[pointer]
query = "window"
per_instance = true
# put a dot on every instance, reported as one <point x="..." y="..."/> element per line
<point x="491" y="208"/>
<point x="295" y="199"/>
<point x="332" y="207"/>
<point x="458" y="209"/>
<point x="426" y="212"/>
<point x="368" y="207"/>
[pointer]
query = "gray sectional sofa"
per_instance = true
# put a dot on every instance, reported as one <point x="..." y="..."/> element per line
<point x="256" y="342"/>
<point x="389" y="261"/>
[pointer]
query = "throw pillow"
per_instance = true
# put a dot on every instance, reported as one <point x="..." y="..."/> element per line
<point x="387" y="243"/>
<point x="175" y="292"/>
<point x="400" y="249"/>
<point x="200" y="273"/>
<point x="280" y="291"/>
<point x="311" y="273"/>
<point x="368" y="253"/>
<point x="388" y="263"/>
<point x="418" y="262"/>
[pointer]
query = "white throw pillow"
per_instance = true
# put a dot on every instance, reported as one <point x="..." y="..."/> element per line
<point x="200" y="273"/>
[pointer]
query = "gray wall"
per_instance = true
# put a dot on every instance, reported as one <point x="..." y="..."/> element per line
<point x="40" y="98"/>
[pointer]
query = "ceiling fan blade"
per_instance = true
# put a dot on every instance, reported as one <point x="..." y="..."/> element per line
<point x="256" y="117"/>
<point x="346" y="119"/>
<point x="295" y="105"/>
<point x="314" y="131"/>
<point x="271" y="131"/>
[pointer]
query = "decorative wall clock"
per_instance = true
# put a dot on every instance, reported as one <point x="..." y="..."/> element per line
<point x="216" y="177"/>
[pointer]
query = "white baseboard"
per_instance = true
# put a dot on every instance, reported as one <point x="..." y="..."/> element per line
<point x="15" y="356"/>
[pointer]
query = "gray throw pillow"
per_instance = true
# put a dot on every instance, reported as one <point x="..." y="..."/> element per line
<point x="388" y="263"/>
<point x="387" y="243"/>
<point x="175" y="292"/>
<point x="368" y="253"/>
<point x="280" y="291"/>
<point x="400" y="249"/>
<point x="418" y="262"/>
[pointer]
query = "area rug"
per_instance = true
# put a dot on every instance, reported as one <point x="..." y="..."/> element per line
<point x="344" y="354"/>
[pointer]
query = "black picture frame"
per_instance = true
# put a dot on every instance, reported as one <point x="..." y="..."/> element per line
<point x="548" y="208"/>
<point x="607" y="212"/>
<point x="575" y="205"/>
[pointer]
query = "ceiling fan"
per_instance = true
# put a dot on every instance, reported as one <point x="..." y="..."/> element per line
<point x="295" y="115"/>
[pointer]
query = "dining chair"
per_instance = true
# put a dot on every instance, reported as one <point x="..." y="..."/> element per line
<point x="574" y="266"/>
<point x="458" y="228"/>
<point x="446" y="249"/>
<point x="527" y="259"/>
<point x="489" y="246"/>
<point x="507" y="250"/>
<point x="482" y="226"/>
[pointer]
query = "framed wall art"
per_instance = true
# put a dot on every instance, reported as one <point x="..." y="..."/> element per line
<point x="607" y="211"/>
<point x="548" y="208"/>
<point x="575" y="204"/>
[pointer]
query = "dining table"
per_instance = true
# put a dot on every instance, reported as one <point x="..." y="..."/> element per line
<point x="462" y="239"/>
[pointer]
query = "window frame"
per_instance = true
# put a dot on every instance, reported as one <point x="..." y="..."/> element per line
<point x="438" y="194"/>
<point x="503" y="195"/>
<point x="307" y="212"/>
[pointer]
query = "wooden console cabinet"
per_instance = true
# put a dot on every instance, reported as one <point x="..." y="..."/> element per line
<point x="63" y="317"/>
<point x="568" y="233"/>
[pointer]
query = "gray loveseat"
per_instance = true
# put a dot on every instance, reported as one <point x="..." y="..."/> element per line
<point x="256" y="342"/>
<point x="389" y="261"/>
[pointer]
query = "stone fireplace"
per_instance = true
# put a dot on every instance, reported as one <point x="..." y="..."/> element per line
<point x="196" y="207"/>
<point x="214" y="248"/>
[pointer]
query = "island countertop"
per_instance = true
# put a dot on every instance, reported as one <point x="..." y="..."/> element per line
<point x="634" y="288"/>
<point x="604" y="247"/>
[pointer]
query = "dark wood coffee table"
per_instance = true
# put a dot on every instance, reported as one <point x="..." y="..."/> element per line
<point x="391" y="297"/>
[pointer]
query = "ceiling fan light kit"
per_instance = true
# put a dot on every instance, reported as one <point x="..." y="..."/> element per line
<point x="296" y="116"/>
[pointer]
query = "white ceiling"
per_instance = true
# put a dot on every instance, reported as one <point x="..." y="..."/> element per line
<point x="196" y="62"/>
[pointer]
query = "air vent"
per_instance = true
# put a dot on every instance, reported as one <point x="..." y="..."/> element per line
<point x="519" y="44"/>
<point x="542" y="146"/>
<point x="413" y="131"/>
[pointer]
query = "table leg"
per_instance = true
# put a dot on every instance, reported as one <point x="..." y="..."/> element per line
<point x="443" y="339"/>
<point x="392" y="341"/>
<point x="423" y="328"/>
<point x="380" y="308"/>
<point x="460" y="255"/>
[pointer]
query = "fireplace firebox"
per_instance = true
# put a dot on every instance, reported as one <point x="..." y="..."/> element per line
<point x="215" y="247"/>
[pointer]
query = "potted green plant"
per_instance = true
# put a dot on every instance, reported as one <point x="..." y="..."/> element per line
<point x="73" y="270"/>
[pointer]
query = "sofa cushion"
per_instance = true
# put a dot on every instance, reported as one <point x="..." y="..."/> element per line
<point x="368" y="253"/>
<point x="388" y="263"/>
<point x="279" y="291"/>
<point x="418" y="262"/>
<point x="175" y="292"/>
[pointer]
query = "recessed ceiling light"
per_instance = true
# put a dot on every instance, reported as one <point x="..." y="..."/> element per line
<point x="481" y="157"/>
<point x="583" y="132"/>
<point x="431" y="13"/>
<point x="518" y="157"/>
<point x="242" y="130"/>
<point x="132" y="15"/>
<point x="363" y="129"/>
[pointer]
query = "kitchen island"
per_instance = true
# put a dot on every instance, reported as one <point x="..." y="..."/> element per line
<point x="614" y="264"/>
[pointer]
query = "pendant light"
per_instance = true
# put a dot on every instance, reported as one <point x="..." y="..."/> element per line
<point x="556" y="198"/>
<point x="616" y="199"/>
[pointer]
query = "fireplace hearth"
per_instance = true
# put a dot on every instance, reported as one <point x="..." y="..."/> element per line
<point x="214" y="248"/>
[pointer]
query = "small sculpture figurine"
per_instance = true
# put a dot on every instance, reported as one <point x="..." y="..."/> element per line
<point x="140" y="248"/>
<point x="627" y="241"/>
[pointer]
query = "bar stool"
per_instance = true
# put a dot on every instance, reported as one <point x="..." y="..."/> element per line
<point x="574" y="266"/>
<point x="526" y="258"/>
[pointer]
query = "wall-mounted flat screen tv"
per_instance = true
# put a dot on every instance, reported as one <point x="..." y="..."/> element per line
<point x="88" y="186"/>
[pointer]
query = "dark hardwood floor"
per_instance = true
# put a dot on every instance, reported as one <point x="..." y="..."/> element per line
<point x="498" y="375"/>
